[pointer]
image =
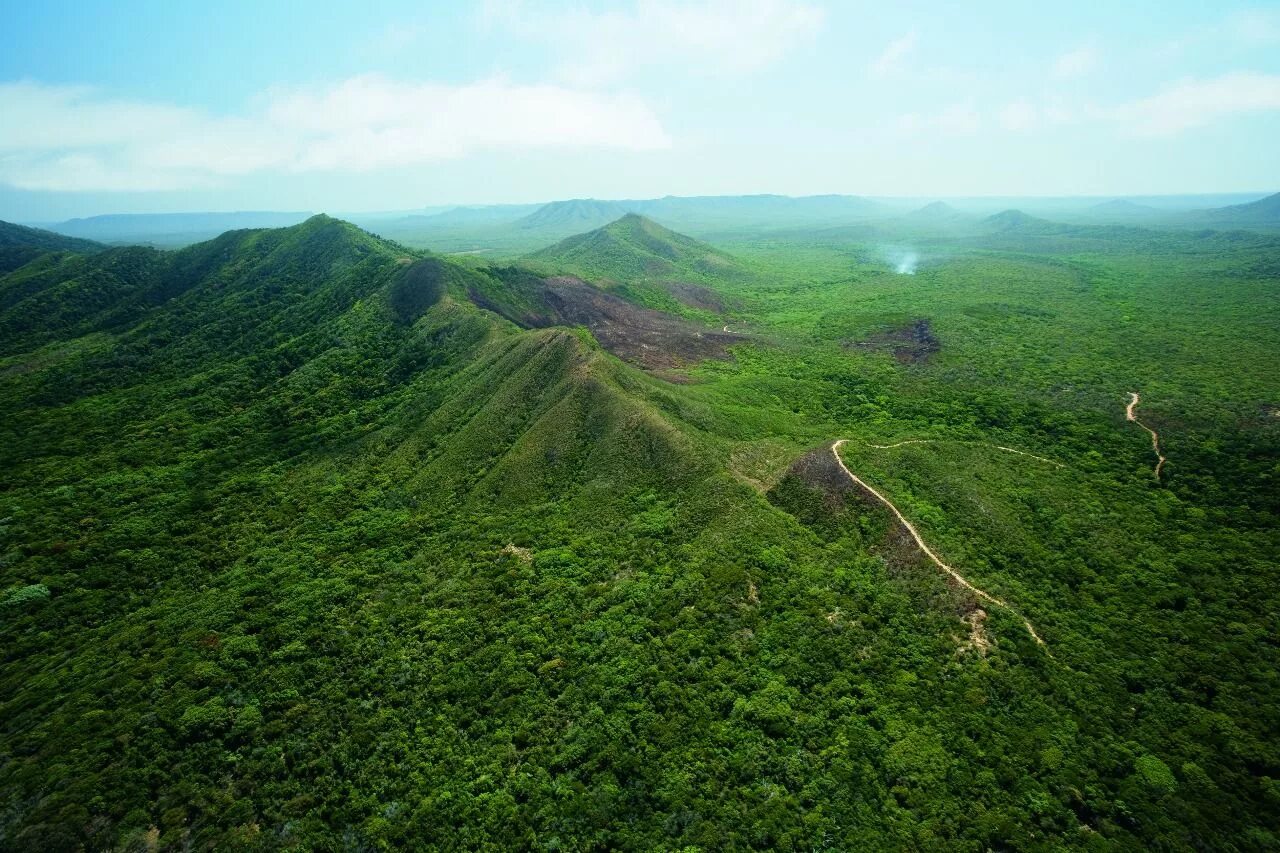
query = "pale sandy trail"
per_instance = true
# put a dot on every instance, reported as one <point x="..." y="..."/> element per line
<point x="899" y="444"/>
<point x="928" y="552"/>
<point x="1155" y="437"/>
<point x="975" y="443"/>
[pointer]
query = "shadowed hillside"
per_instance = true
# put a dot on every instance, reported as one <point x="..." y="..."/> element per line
<point x="20" y="245"/>
<point x="20" y="236"/>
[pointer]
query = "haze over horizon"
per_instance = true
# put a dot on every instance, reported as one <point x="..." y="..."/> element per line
<point x="122" y="108"/>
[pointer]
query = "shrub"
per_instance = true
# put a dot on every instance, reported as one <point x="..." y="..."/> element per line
<point x="19" y="596"/>
<point x="1155" y="774"/>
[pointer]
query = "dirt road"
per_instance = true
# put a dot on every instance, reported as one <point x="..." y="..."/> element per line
<point x="1155" y="437"/>
<point x="973" y="443"/>
<point x="928" y="552"/>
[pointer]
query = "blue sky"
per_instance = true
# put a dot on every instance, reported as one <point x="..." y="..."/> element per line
<point x="134" y="105"/>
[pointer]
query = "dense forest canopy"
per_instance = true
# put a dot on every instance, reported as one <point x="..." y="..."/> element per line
<point x="309" y="539"/>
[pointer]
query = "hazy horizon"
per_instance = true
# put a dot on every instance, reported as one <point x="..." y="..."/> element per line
<point x="1166" y="201"/>
<point x="122" y="108"/>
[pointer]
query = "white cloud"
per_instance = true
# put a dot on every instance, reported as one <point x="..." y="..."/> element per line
<point x="1076" y="63"/>
<point x="721" y="36"/>
<point x="1178" y="107"/>
<point x="74" y="138"/>
<point x="1195" y="103"/>
<point x="890" y="59"/>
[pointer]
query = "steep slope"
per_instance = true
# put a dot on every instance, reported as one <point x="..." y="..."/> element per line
<point x="634" y="248"/>
<point x="307" y="419"/>
<point x="16" y="236"/>
<point x="241" y="271"/>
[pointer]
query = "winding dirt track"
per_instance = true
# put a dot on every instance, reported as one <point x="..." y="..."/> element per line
<point x="915" y="534"/>
<point x="974" y="443"/>
<point x="1155" y="437"/>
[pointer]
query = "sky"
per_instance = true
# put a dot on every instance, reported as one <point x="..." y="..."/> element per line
<point x="159" y="106"/>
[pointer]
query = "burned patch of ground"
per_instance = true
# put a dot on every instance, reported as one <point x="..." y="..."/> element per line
<point x="418" y="288"/>
<point x="822" y="497"/>
<point x="912" y="343"/>
<point x="818" y="494"/>
<point x="651" y="339"/>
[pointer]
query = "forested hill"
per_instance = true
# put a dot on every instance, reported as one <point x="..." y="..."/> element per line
<point x="12" y="235"/>
<point x="633" y="248"/>
<point x="308" y="540"/>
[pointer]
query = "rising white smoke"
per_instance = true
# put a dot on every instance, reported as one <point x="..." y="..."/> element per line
<point x="907" y="263"/>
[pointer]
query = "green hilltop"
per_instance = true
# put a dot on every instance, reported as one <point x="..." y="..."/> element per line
<point x="20" y="244"/>
<point x="635" y="248"/>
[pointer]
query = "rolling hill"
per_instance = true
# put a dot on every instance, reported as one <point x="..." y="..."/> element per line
<point x="1125" y="209"/>
<point x="1264" y="212"/>
<point x="1016" y="220"/>
<point x="636" y="248"/>
<point x="938" y="211"/>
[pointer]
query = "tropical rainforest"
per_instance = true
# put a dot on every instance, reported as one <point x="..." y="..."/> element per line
<point x="924" y="532"/>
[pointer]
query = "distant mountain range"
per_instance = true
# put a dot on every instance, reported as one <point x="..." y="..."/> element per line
<point x="478" y="215"/>
<point x="172" y="228"/>
<point x="574" y="215"/>
<point x="577" y="214"/>
<point x="521" y="227"/>
<point x="1124" y="208"/>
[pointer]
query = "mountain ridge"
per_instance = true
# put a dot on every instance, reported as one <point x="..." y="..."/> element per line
<point x="13" y="235"/>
